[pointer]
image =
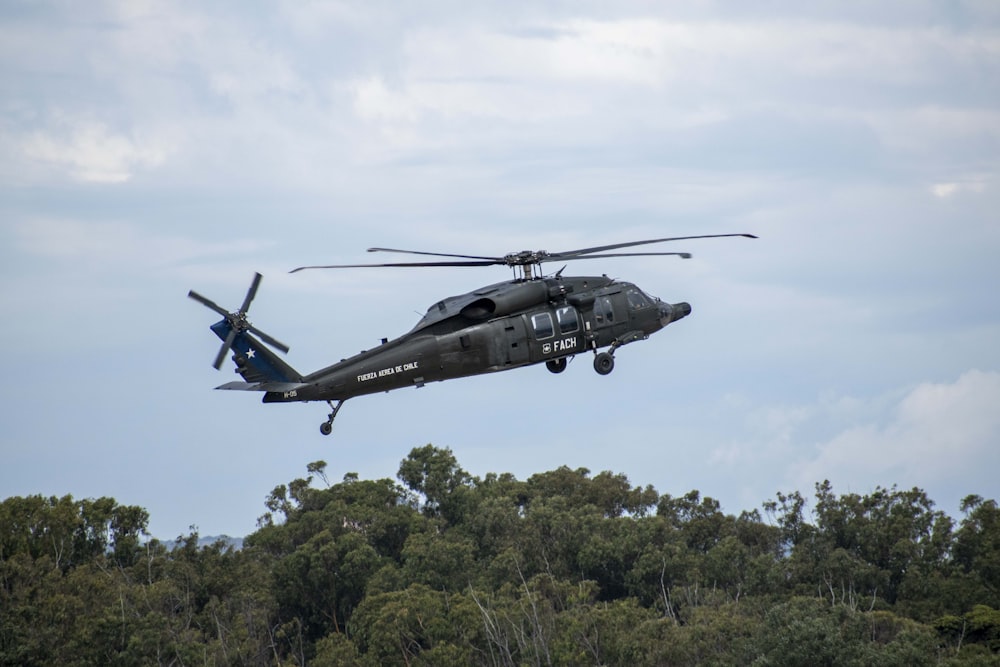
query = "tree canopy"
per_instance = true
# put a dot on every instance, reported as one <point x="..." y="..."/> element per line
<point x="440" y="567"/>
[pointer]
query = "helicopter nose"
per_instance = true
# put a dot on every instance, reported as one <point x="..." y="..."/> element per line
<point x="671" y="312"/>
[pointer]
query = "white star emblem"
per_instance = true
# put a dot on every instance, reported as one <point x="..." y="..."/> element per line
<point x="250" y="354"/>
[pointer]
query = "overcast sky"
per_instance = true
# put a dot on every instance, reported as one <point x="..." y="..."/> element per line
<point x="150" y="148"/>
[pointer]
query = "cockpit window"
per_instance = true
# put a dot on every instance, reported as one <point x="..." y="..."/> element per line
<point x="636" y="299"/>
<point x="568" y="320"/>
<point x="542" y="324"/>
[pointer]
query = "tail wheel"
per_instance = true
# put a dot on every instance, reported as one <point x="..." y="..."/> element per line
<point x="604" y="363"/>
<point x="326" y="428"/>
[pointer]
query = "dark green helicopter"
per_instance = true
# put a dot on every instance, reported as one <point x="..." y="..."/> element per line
<point x="529" y="320"/>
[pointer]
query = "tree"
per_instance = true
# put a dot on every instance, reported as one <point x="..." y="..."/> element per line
<point x="417" y="626"/>
<point x="977" y="548"/>
<point x="435" y="474"/>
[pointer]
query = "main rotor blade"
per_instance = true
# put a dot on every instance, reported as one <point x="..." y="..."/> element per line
<point x="434" y="254"/>
<point x="574" y="254"/>
<point x="682" y="255"/>
<point x="273" y="342"/>
<point x="251" y="293"/>
<point x="226" y="345"/>
<point x="209" y="303"/>
<point x="398" y="264"/>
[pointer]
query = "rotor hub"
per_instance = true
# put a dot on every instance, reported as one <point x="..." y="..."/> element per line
<point x="525" y="257"/>
<point x="239" y="321"/>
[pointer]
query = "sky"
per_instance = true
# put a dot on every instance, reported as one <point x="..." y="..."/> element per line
<point x="148" y="148"/>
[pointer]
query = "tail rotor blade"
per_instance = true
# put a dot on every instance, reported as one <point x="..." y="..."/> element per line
<point x="226" y="346"/>
<point x="273" y="342"/>
<point x="251" y="293"/>
<point x="208" y="303"/>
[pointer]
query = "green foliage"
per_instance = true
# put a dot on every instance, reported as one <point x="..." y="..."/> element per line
<point x="69" y="531"/>
<point x="564" y="568"/>
<point x="809" y="631"/>
<point x="434" y="473"/>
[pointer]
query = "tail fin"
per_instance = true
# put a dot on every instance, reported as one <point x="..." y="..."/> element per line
<point x="254" y="361"/>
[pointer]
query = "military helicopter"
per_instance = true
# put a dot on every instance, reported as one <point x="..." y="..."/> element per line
<point x="531" y="319"/>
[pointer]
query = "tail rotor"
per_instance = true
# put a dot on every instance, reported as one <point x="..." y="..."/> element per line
<point x="237" y="322"/>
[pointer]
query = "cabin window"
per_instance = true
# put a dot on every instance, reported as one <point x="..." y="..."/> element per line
<point x="603" y="312"/>
<point x="567" y="319"/>
<point x="542" y="324"/>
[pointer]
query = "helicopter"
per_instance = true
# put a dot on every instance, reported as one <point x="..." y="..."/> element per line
<point x="532" y="319"/>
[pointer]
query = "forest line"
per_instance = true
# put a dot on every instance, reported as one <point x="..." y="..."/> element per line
<point x="440" y="567"/>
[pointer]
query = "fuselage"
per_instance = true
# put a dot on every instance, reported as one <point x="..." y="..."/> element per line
<point x="495" y="328"/>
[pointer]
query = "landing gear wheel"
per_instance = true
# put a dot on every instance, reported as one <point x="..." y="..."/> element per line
<point x="556" y="365"/>
<point x="604" y="363"/>
<point x="326" y="428"/>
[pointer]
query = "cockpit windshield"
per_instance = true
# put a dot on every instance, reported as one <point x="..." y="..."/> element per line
<point x="637" y="298"/>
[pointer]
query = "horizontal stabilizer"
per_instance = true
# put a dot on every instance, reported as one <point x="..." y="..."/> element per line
<point x="263" y="386"/>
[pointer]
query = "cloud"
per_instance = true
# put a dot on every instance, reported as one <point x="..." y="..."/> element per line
<point x="297" y="94"/>
<point x="660" y="51"/>
<point x="800" y="96"/>
<point x="374" y="101"/>
<point x="93" y="153"/>
<point x="114" y="245"/>
<point x="947" y="190"/>
<point x="938" y="435"/>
